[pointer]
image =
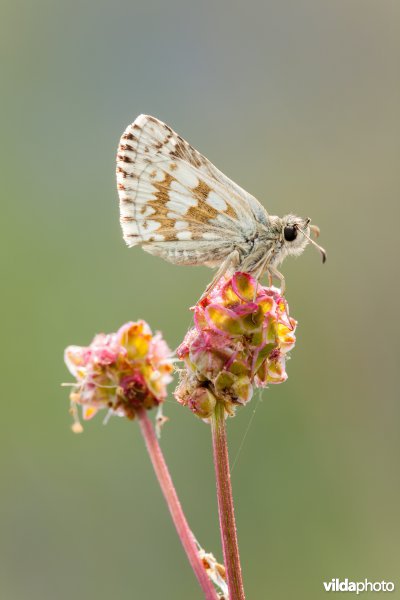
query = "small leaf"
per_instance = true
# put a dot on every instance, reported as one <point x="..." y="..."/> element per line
<point x="263" y="354"/>
<point x="224" y="380"/>
<point x="244" y="286"/>
<point x="223" y="319"/>
<point x="253" y="321"/>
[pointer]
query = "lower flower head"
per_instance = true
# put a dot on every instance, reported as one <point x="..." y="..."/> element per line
<point x="241" y="337"/>
<point x="121" y="372"/>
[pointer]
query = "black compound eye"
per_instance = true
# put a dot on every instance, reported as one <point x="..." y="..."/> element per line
<point x="290" y="233"/>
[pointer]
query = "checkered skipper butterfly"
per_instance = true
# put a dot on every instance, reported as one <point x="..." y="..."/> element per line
<point x="177" y="205"/>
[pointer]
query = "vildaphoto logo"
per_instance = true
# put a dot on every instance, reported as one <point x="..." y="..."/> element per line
<point x="344" y="585"/>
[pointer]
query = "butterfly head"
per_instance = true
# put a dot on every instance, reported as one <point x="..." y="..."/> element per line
<point x="295" y="234"/>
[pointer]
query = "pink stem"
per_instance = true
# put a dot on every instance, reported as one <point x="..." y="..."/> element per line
<point x="225" y="506"/>
<point x="175" y="508"/>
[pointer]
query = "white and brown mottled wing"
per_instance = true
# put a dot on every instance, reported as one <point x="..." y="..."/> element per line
<point x="174" y="202"/>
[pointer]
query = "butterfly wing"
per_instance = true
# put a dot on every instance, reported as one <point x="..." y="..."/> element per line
<point x="174" y="202"/>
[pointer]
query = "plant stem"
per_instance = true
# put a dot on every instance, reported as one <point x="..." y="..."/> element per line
<point x="225" y="505"/>
<point x="175" y="508"/>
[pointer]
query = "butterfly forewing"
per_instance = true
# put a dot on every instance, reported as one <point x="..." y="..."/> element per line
<point x="174" y="202"/>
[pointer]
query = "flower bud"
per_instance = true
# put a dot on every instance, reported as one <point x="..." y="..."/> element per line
<point x="121" y="372"/>
<point x="241" y="335"/>
<point x="202" y="402"/>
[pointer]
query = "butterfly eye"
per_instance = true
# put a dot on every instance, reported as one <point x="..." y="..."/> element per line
<point x="290" y="233"/>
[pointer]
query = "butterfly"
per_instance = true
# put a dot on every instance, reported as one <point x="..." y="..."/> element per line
<point x="177" y="205"/>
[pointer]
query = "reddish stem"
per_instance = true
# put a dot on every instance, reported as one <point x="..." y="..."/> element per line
<point x="225" y="506"/>
<point x="175" y="508"/>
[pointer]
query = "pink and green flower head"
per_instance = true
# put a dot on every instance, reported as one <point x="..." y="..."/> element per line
<point x="120" y="372"/>
<point x="240" y="340"/>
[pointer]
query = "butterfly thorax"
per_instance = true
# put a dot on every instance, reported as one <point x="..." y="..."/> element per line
<point x="263" y="247"/>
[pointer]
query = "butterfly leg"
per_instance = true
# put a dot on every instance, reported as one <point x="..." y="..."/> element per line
<point x="259" y="273"/>
<point x="232" y="260"/>
<point x="272" y="272"/>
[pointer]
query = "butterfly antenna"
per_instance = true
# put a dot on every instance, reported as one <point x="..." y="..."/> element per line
<point x="320" y="248"/>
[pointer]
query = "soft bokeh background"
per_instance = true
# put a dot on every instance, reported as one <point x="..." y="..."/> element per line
<point x="298" y="101"/>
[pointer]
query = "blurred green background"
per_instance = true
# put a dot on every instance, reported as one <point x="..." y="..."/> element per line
<point x="298" y="101"/>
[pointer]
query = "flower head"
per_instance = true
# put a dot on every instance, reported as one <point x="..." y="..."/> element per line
<point x="120" y="371"/>
<point x="241" y="336"/>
